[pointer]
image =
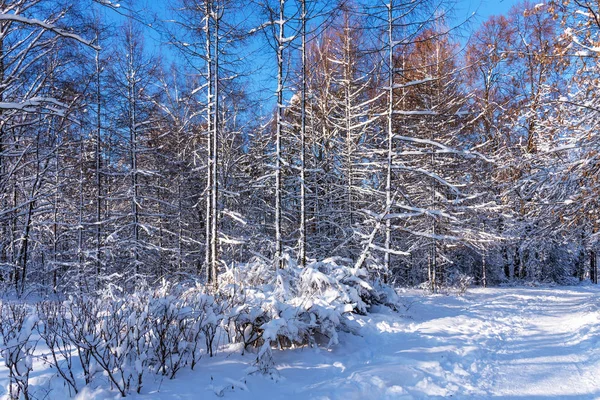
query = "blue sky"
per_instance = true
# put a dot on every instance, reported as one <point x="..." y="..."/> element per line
<point x="487" y="8"/>
<point x="462" y="11"/>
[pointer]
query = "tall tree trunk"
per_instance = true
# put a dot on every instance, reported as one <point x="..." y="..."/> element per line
<point x="3" y="181"/>
<point x="55" y="222"/>
<point x="484" y="269"/>
<point x="133" y="138"/>
<point x="81" y="205"/>
<point x="23" y="255"/>
<point x="278" y="175"/>
<point x="215" y="153"/>
<point x="98" y="160"/>
<point x="209" y="147"/>
<point x="303" y="145"/>
<point x="593" y="267"/>
<point x="390" y="137"/>
<point x="348" y="118"/>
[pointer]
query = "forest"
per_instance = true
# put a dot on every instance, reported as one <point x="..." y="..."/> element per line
<point x="390" y="138"/>
<point x="190" y="178"/>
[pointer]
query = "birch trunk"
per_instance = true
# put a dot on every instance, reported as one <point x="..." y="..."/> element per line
<point x="390" y="136"/>
<point x="209" y="170"/>
<point x="280" y="42"/>
<point x="302" y="145"/>
<point x="215" y="153"/>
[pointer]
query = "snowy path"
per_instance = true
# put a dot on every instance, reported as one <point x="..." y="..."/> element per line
<point x="545" y="345"/>
<point x="504" y="343"/>
<point x="521" y="343"/>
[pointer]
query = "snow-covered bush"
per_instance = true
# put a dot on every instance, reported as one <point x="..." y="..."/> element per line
<point x="17" y="323"/>
<point x="53" y="330"/>
<point x="169" y="324"/>
<point x="296" y="306"/>
<point x="79" y="319"/>
<point x="113" y="351"/>
<point x="245" y="288"/>
<point x="138" y="330"/>
<point x="211" y="312"/>
<point x="204" y="315"/>
<point x="355" y="285"/>
<point x="459" y="282"/>
<point x="124" y="337"/>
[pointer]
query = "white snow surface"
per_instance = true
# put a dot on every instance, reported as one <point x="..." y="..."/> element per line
<point x="506" y="343"/>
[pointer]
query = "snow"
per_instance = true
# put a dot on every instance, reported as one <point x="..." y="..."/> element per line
<point x="109" y="3"/>
<point x="47" y="26"/>
<point x="525" y="343"/>
<point x="32" y="105"/>
<point x="412" y="83"/>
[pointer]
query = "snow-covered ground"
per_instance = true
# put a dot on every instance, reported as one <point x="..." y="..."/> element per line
<point x="508" y="343"/>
